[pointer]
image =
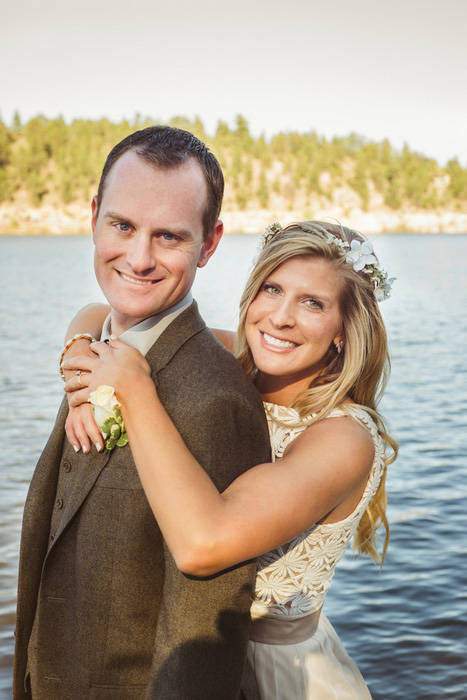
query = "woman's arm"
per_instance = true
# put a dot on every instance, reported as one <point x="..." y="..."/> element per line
<point x="80" y="426"/>
<point x="322" y="475"/>
<point x="89" y="319"/>
<point x="227" y="338"/>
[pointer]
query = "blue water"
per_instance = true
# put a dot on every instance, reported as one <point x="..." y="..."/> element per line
<point x="406" y="625"/>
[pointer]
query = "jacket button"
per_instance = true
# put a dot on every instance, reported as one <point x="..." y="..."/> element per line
<point x="67" y="466"/>
<point x="59" y="503"/>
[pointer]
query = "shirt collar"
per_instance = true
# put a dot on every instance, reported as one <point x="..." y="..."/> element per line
<point x="144" y="334"/>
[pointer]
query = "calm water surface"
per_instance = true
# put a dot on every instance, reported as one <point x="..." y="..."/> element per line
<point x="406" y="626"/>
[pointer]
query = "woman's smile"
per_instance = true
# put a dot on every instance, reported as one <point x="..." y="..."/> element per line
<point x="277" y="343"/>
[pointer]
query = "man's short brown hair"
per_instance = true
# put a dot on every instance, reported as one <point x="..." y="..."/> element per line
<point x="168" y="147"/>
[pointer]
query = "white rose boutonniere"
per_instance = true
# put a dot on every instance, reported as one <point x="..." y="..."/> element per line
<point x="106" y="409"/>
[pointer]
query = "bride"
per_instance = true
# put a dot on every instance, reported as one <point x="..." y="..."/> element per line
<point x="313" y="341"/>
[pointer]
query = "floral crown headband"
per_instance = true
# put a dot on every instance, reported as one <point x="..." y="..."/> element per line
<point x="358" y="254"/>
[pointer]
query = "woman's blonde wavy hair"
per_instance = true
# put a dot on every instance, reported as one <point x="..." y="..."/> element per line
<point x="360" y="371"/>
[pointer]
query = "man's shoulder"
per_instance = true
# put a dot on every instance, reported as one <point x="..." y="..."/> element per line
<point x="203" y="372"/>
<point x="204" y="357"/>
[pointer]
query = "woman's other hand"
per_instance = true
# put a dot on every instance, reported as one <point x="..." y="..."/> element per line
<point x="81" y="429"/>
<point x="116" y="364"/>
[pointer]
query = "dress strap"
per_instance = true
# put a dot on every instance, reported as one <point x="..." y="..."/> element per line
<point x="284" y="630"/>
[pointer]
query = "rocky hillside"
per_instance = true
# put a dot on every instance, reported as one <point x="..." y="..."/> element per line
<point x="49" y="171"/>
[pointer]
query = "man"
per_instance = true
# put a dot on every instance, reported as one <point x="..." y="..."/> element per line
<point x="103" y="611"/>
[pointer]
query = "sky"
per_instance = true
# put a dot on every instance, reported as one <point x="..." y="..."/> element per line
<point x="394" y="70"/>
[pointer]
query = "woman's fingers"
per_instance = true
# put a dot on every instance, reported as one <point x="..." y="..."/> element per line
<point x="80" y="380"/>
<point x="79" y="397"/>
<point x="70" y="432"/>
<point x="81" y="429"/>
<point x="115" y="342"/>
<point x="76" y="431"/>
<point x="81" y="362"/>
<point x="90" y="426"/>
<point x="99" y="347"/>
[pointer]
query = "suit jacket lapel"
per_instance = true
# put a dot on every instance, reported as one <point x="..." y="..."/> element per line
<point x="182" y="328"/>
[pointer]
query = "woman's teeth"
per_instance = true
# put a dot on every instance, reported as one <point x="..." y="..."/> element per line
<point x="278" y="343"/>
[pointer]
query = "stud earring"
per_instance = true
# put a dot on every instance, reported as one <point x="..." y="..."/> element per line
<point x="339" y="346"/>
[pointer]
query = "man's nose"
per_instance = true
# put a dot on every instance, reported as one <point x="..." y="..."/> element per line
<point x="141" y="256"/>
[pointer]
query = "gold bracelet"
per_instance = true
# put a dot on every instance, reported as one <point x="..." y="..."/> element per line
<point x="68" y="344"/>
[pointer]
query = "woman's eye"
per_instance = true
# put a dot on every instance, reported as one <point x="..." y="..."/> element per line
<point x="270" y="288"/>
<point x="314" y="304"/>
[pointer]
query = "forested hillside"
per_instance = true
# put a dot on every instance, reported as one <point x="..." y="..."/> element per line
<point x="48" y="163"/>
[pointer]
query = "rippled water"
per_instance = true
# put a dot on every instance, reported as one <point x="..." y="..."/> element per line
<point x="406" y="626"/>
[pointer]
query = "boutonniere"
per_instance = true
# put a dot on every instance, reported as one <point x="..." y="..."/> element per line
<point x="106" y="409"/>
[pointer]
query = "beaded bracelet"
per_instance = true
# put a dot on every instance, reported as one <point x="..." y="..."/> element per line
<point x="68" y="344"/>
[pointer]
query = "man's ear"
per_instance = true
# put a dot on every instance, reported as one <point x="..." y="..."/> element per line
<point x="94" y="216"/>
<point x="211" y="243"/>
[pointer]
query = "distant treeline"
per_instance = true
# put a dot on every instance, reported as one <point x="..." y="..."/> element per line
<point x="60" y="163"/>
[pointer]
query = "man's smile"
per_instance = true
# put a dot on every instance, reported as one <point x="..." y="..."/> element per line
<point x="134" y="280"/>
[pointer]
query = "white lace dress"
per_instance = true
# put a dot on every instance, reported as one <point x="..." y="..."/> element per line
<point x="306" y="659"/>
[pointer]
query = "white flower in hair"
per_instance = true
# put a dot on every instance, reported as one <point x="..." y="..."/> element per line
<point x="383" y="286"/>
<point x="361" y="255"/>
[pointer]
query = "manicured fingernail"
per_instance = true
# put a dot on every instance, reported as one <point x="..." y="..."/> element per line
<point x="85" y="450"/>
<point x="113" y="337"/>
<point x="98" y="446"/>
<point x="76" y="448"/>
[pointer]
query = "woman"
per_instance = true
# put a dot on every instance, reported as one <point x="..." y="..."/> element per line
<point x="312" y="339"/>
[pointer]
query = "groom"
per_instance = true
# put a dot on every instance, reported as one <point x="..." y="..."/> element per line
<point x="103" y="611"/>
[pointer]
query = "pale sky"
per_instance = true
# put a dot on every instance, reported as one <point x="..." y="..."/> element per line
<point x="383" y="69"/>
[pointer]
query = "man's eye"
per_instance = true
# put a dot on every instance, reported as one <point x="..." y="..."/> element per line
<point x="123" y="227"/>
<point x="169" y="237"/>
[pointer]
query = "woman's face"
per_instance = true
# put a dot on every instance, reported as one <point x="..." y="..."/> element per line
<point x="292" y="323"/>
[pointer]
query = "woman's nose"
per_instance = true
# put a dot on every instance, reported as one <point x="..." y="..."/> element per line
<point x="282" y="314"/>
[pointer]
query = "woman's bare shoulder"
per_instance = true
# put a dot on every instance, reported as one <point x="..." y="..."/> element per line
<point x="341" y="438"/>
<point x="227" y="338"/>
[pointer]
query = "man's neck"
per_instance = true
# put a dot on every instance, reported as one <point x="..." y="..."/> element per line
<point x="141" y="334"/>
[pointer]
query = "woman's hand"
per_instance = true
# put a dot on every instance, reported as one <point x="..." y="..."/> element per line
<point x="81" y="429"/>
<point x="117" y="365"/>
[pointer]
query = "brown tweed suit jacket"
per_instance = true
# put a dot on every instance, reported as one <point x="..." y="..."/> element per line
<point x="102" y="607"/>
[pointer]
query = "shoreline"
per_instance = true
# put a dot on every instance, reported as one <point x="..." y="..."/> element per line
<point x="75" y="220"/>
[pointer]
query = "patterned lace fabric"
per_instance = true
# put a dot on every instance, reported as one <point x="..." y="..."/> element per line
<point x="293" y="579"/>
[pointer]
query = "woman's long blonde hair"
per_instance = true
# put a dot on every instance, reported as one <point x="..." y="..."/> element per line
<point x="360" y="371"/>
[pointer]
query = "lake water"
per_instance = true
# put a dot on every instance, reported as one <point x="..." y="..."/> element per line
<point x="406" y="626"/>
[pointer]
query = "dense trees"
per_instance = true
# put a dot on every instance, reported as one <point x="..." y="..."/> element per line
<point x="58" y="163"/>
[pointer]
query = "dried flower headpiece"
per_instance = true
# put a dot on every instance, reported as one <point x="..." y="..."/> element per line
<point x="359" y="254"/>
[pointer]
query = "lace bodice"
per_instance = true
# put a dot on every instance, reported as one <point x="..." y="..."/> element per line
<point x="293" y="579"/>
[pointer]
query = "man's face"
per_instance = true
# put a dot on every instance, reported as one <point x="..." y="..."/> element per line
<point x="148" y="237"/>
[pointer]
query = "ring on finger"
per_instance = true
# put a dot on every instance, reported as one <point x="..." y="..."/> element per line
<point x="78" y="374"/>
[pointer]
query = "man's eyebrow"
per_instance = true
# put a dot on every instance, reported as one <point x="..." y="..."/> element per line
<point x="116" y="215"/>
